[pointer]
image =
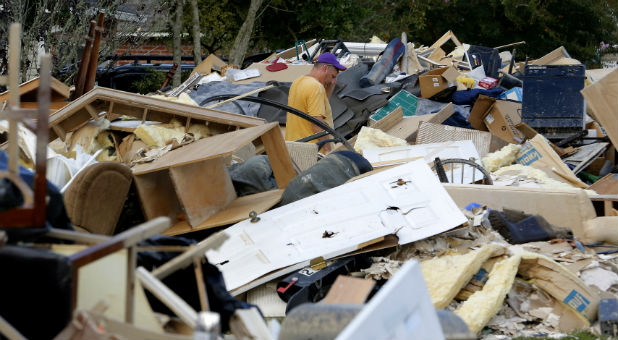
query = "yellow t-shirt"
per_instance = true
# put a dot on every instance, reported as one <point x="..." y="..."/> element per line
<point x="308" y="95"/>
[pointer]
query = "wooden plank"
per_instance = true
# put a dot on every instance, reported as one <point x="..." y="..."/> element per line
<point x="601" y="100"/>
<point x="80" y="79"/>
<point x="201" y="285"/>
<point x="129" y="314"/>
<point x="236" y="211"/>
<point x="203" y="188"/>
<point x="53" y="106"/>
<point x="9" y="331"/>
<point x="123" y="240"/>
<point x="14" y="61"/>
<point x="186" y="258"/>
<point x="168" y="297"/>
<point x="76" y="236"/>
<point x="279" y="157"/>
<point x="128" y="331"/>
<point x="348" y="290"/>
<point x="206" y="148"/>
<point x="157" y="195"/>
<point x="93" y="113"/>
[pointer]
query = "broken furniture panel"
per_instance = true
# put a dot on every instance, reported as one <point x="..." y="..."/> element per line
<point x="89" y="106"/>
<point x="31" y="212"/>
<point x="406" y="200"/>
<point x="193" y="180"/>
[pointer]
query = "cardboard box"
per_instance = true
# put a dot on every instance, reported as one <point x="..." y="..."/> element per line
<point x="562" y="284"/>
<point x="437" y="80"/>
<point x="479" y="110"/>
<point x="537" y="153"/>
<point x="488" y="82"/>
<point x="501" y="119"/>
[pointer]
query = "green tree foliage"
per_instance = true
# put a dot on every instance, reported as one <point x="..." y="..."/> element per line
<point x="219" y="22"/>
<point x="579" y="25"/>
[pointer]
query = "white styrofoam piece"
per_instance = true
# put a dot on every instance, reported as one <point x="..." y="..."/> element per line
<point x="401" y="309"/>
<point x="354" y="213"/>
<point x="464" y="149"/>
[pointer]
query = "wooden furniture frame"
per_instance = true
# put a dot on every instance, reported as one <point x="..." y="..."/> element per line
<point x="89" y="106"/>
<point x="28" y="94"/>
<point x="128" y="240"/>
<point x="193" y="180"/>
<point x="32" y="211"/>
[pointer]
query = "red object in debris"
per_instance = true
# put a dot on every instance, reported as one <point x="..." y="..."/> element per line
<point x="275" y="66"/>
<point x="488" y="82"/>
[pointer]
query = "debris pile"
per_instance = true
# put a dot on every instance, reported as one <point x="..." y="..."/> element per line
<point x="467" y="195"/>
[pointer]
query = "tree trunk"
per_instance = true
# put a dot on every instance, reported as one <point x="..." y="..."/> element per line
<point x="241" y="43"/>
<point x="177" y="43"/>
<point x="197" y="48"/>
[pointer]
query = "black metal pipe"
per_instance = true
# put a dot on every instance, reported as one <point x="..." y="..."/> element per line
<point x="290" y="109"/>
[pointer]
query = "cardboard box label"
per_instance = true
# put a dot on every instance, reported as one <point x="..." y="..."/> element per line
<point x="529" y="156"/>
<point x="489" y="119"/>
<point x="576" y="300"/>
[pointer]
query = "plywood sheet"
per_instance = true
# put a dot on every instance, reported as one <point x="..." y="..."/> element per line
<point x="157" y="195"/>
<point x="234" y="212"/>
<point x="203" y="188"/>
<point x="206" y="148"/>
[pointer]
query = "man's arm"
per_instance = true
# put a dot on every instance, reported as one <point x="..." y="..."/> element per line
<point x="317" y="110"/>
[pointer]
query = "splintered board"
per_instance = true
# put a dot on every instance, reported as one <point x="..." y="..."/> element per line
<point x="89" y="106"/>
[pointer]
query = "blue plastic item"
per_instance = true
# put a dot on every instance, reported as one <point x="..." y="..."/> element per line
<point x="385" y="65"/>
<point x="551" y="100"/>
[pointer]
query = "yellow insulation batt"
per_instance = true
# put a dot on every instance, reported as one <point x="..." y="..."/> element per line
<point x="445" y="276"/>
<point x="484" y="304"/>
<point x="369" y="138"/>
<point x="154" y="135"/>
<point x="505" y="156"/>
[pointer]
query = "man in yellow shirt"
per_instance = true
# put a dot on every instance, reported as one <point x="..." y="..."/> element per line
<point x="310" y="94"/>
